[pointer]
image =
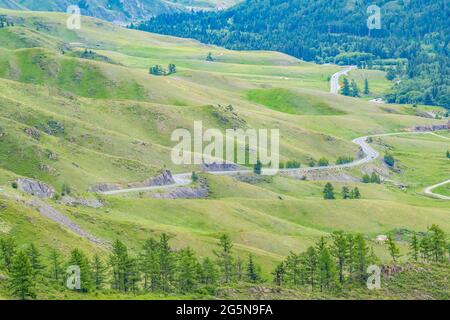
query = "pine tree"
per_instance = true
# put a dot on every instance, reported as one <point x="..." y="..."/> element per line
<point x="425" y="248"/>
<point x="326" y="270"/>
<point x="310" y="265"/>
<point x="7" y="251"/>
<point x="56" y="269"/>
<point x="278" y="275"/>
<point x="187" y="271"/>
<point x="438" y="243"/>
<point x="98" y="272"/>
<point x="35" y="258"/>
<point x="356" y="194"/>
<point x="225" y="258"/>
<point x="414" y="248"/>
<point x="149" y="263"/>
<point x="394" y="251"/>
<point x="252" y="271"/>
<point x="78" y="258"/>
<point x="361" y="258"/>
<point x="354" y="89"/>
<point x="166" y="263"/>
<point x="366" y="86"/>
<point x="292" y="269"/>
<point x="21" y="282"/>
<point x="119" y="263"/>
<point x="209" y="273"/>
<point x="339" y="250"/>
<point x="345" y="193"/>
<point x="133" y="275"/>
<point x="328" y="192"/>
<point x="346" y="91"/>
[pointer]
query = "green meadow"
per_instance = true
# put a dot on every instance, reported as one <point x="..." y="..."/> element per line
<point x="107" y="120"/>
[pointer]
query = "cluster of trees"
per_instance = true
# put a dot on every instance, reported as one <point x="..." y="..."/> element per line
<point x="329" y="193"/>
<point x="159" y="268"/>
<point x="291" y="164"/>
<point x="373" y="178"/>
<point x="333" y="31"/>
<point x="328" y="266"/>
<point x="5" y="23"/>
<point x="344" y="160"/>
<point x="156" y="268"/>
<point x="350" y="89"/>
<point x="158" y="70"/>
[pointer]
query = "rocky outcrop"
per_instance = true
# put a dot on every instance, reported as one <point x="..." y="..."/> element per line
<point x="163" y="179"/>
<point x="183" y="193"/>
<point x="51" y="213"/>
<point x="35" y="188"/>
<point x="104" y="187"/>
<point x="222" y="166"/>
<point x="434" y="127"/>
<point x="198" y="192"/>
<point x="91" y="203"/>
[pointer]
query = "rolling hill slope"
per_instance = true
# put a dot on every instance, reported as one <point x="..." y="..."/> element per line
<point x="79" y="108"/>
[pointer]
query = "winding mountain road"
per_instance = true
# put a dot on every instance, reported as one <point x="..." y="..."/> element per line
<point x="334" y="81"/>
<point x="370" y="155"/>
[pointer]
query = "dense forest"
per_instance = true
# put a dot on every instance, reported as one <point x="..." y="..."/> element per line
<point x="412" y="44"/>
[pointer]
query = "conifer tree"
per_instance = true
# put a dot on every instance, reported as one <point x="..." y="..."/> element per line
<point x="7" y="251"/>
<point x="35" y="258"/>
<point x="438" y="243"/>
<point x="187" y="271"/>
<point x="340" y="252"/>
<point x="166" y="263"/>
<point x="21" y="282"/>
<point x="252" y="270"/>
<point x="209" y="273"/>
<point x="345" y="193"/>
<point x="278" y="275"/>
<point x="394" y="251"/>
<point x="356" y="194"/>
<point x="366" y="86"/>
<point x="225" y="258"/>
<point x="354" y="89"/>
<point x="292" y="269"/>
<point x="98" y="272"/>
<point x="326" y="270"/>
<point x="149" y="263"/>
<point x="119" y="265"/>
<point x="361" y="258"/>
<point x="346" y="90"/>
<point x="414" y="248"/>
<point x="78" y="258"/>
<point x="56" y="269"/>
<point x="328" y="192"/>
<point x="310" y="266"/>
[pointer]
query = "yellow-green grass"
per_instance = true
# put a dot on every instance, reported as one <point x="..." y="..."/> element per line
<point x="378" y="84"/>
<point x="443" y="190"/>
<point x="118" y="120"/>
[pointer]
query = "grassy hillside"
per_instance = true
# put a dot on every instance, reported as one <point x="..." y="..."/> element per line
<point x="79" y="108"/>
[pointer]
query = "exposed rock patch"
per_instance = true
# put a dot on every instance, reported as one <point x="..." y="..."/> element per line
<point x="163" y="179"/>
<point x="215" y="166"/>
<point x="198" y="192"/>
<point x="104" y="187"/>
<point x="35" y="188"/>
<point x="91" y="203"/>
<point x="324" y="175"/>
<point x="434" y="127"/>
<point x="56" y="216"/>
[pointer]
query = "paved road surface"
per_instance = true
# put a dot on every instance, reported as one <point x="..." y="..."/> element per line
<point x="334" y="81"/>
